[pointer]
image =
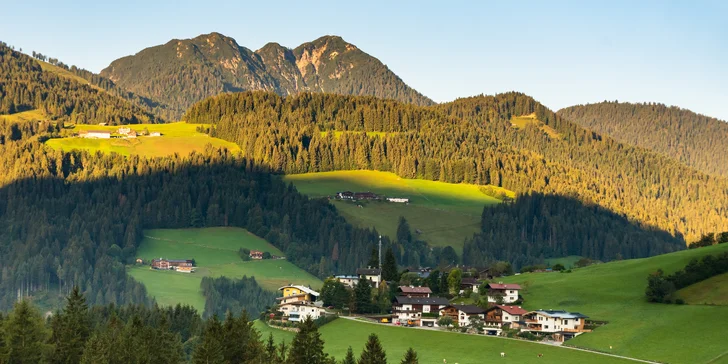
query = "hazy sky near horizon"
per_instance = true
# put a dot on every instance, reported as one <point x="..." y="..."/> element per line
<point x="560" y="52"/>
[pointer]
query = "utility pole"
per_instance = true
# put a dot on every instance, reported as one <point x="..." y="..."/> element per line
<point x="380" y="254"/>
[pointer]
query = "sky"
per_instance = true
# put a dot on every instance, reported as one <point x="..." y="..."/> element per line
<point x="562" y="53"/>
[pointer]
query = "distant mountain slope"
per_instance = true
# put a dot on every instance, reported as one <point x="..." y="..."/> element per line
<point x="182" y="72"/>
<point x="696" y="140"/>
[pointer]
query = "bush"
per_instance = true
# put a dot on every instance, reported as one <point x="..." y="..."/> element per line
<point x="529" y="336"/>
<point x="680" y="301"/>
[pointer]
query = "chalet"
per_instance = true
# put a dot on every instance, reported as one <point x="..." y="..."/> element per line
<point x="461" y="314"/>
<point x="94" y="134"/>
<point x="171" y="264"/>
<point x="256" y="254"/>
<point x="374" y="275"/>
<point x="365" y="196"/>
<point x="299" y="294"/>
<point x="299" y="311"/>
<point x="418" y="311"/>
<point x="350" y="281"/>
<point x="469" y="284"/>
<point x="155" y="134"/>
<point x="509" y="292"/>
<point x="398" y="199"/>
<point x="411" y="291"/>
<point x="500" y="315"/>
<point x="124" y="130"/>
<point x="345" y="195"/>
<point x="185" y="269"/>
<point x="561" y="325"/>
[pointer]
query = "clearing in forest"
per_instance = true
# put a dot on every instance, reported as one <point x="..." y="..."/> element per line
<point x="520" y="122"/>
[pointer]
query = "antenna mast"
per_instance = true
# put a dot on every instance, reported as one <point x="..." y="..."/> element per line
<point x="380" y="253"/>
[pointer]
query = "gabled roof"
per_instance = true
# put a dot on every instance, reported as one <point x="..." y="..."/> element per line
<point x="469" y="281"/>
<point x="368" y="271"/>
<point x="513" y="310"/>
<point x="560" y="314"/>
<point x="469" y="309"/>
<point x="503" y="286"/>
<point x="409" y="289"/>
<point x="421" y="300"/>
<point x="302" y="288"/>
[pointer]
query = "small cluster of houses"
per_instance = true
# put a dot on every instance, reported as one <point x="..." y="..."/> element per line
<point x="364" y="196"/>
<point x="123" y="132"/>
<point x="299" y="302"/>
<point x="179" y="265"/>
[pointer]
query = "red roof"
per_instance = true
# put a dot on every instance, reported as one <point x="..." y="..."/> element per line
<point x="503" y="286"/>
<point x="408" y="289"/>
<point x="513" y="310"/>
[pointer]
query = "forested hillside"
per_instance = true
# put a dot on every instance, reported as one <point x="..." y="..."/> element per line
<point x="25" y="86"/>
<point x="182" y="72"/>
<point x="697" y="140"/>
<point x="469" y="140"/>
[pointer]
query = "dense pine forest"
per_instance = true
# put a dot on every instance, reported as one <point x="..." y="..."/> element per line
<point x="697" y="140"/>
<point x="469" y="140"/>
<point x="24" y="86"/>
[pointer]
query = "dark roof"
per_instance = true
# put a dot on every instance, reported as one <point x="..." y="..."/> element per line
<point x="421" y="300"/>
<point x="470" y="309"/>
<point x="368" y="271"/>
<point x="469" y="281"/>
<point x="179" y="260"/>
<point x="503" y="286"/>
<point x="408" y="289"/>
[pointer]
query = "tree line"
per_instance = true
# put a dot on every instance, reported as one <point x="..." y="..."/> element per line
<point x="661" y="288"/>
<point x="224" y="294"/>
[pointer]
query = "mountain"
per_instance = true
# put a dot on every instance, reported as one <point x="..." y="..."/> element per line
<point x="696" y="140"/>
<point x="182" y="72"/>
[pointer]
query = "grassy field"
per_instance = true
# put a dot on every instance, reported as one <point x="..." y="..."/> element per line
<point x="567" y="262"/>
<point x="712" y="291"/>
<point x="181" y="138"/>
<point x="29" y="115"/>
<point x="215" y="251"/>
<point x="47" y="67"/>
<point x="434" y="346"/>
<point x="520" y="122"/>
<point x="445" y="213"/>
<point x="615" y="292"/>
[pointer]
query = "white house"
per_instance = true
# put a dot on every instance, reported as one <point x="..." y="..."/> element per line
<point x="299" y="311"/>
<point x="501" y="314"/>
<point x="350" y="281"/>
<point x="374" y="275"/>
<point x="398" y="199"/>
<point x="561" y="324"/>
<point x="155" y="134"/>
<point x="509" y="292"/>
<point x="419" y="311"/>
<point x="95" y="134"/>
<point x="462" y="313"/>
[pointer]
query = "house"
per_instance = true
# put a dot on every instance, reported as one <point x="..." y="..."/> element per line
<point x="411" y="291"/>
<point x="461" y="314"/>
<point x="102" y="124"/>
<point x="350" y="281"/>
<point x="171" y="264"/>
<point x="509" y="292"/>
<point x="155" y="134"/>
<point x="94" y="134"/>
<point x="418" y="311"/>
<point x="256" y="254"/>
<point x="469" y="284"/>
<point x="131" y="134"/>
<point x="185" y="269"/>
<point x="374" y="275"/>
<point x="346" y="195"/>
<point x="124" y="130"/>
<point x="299" y="311"/>
<point x="398" y="199"/>
<point x="296" y="293"/>
<point x="500" y="315"/>
<point x="561" y="325"/>
<point x="365" y="196"/>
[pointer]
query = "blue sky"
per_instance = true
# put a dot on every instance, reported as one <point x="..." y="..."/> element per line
<point x="560" y="52"/>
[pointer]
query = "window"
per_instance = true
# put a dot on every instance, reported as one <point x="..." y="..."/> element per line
<point x="546" y="327"/>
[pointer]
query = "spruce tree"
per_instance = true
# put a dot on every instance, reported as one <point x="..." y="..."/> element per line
<point x="25" y="335"/>
<point x="389" y="267"/>
<point x="71" y="329"/>
<point x="210" y="350"/>
<point x="307" y="346"/>
<point x="363" y="296"/>
<point x="271" y="353"/>
<point x="410" y="357"/>
<point x="349" y="358"/>
<point x="373" y="352"/>
<point x="373" y="259"/>
<point x="404" y="235"/>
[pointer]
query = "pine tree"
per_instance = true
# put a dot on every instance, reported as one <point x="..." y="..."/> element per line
<point x="307" y="346"/>
<point x="410" y="357"/>
<point x="71" y="330"/>
<point x="25" y="335"/>
<point x="373" y="259"/>
<point x="210" y="350"/>
<point x="404" y="235"/>
<point x="271" y="353"/>
<point x="363" y="296"/>
<point x="389" y="267"/>
<point x="349" y="359"/>
<point x="373" y="352"/>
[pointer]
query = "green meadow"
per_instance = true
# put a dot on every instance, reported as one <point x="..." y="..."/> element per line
<point x="215" y="251"/>
<point x="29" y="115"/>
<point x="567" y="262"/>
<point x="520" y="122"/>
<point x="615" y="292"/>
<point x="180" y="138"/>
<point x="444" y="213"/>
<point x="712" y="291"/>
<point x="433" y="346"/>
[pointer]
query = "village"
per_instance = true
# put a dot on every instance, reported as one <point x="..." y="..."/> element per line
<point x="417" y="307"/>
<point x="368" y="196"/>
<point x="188" y="265"/>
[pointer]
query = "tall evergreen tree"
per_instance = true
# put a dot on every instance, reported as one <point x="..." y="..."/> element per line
<point x="349" y="358"/>
<point x="389" y="267"/>
<point x="363" y="296"/>
<point x="410" y="357"/>
<point x="71" y="329"/>
<point x="404" y="235"/>
<point x="210" y="350"/>
<point x="307" y="346"/>
<point x="373" y="352"/>
<point x="373" y="259"/>
<point x="271" y="352"/>
<point x="25" y="335"/>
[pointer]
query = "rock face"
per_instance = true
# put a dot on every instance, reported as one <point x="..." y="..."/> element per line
<point x="182" y="72"/>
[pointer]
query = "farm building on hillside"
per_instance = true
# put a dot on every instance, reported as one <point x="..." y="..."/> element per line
<point x="171" y="264"/>
<point x="508" y="292"/>
<point x="412" y="291"/>
<point x="155" y="134"/>
<point x="256" y="254"/>
<point x="124" y="130"/>
<point x="561" y="325"/>
<point x="398" y="199"/>
<point x="94" y="134"/>
<point x="365" y="196"/>
<point x="295" y="293"/>
<point x="345" y="195"/>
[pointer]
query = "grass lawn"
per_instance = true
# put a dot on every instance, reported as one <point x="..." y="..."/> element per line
<point x="215" y="251"/>
<point x="712" y="291"/>
<point x="567" y="262"/>
<point x="58" y="71"/>
<point x="445" y="213"/>
<point x="181" y="138"/>
<point x="29" y="115"/>
<point x="434" y="346"/>
<point x="615" y="292"/>
<point x="520" y="122"/>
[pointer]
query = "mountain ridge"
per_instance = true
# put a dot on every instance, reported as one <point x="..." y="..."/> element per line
<point x="184" y="71"/>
